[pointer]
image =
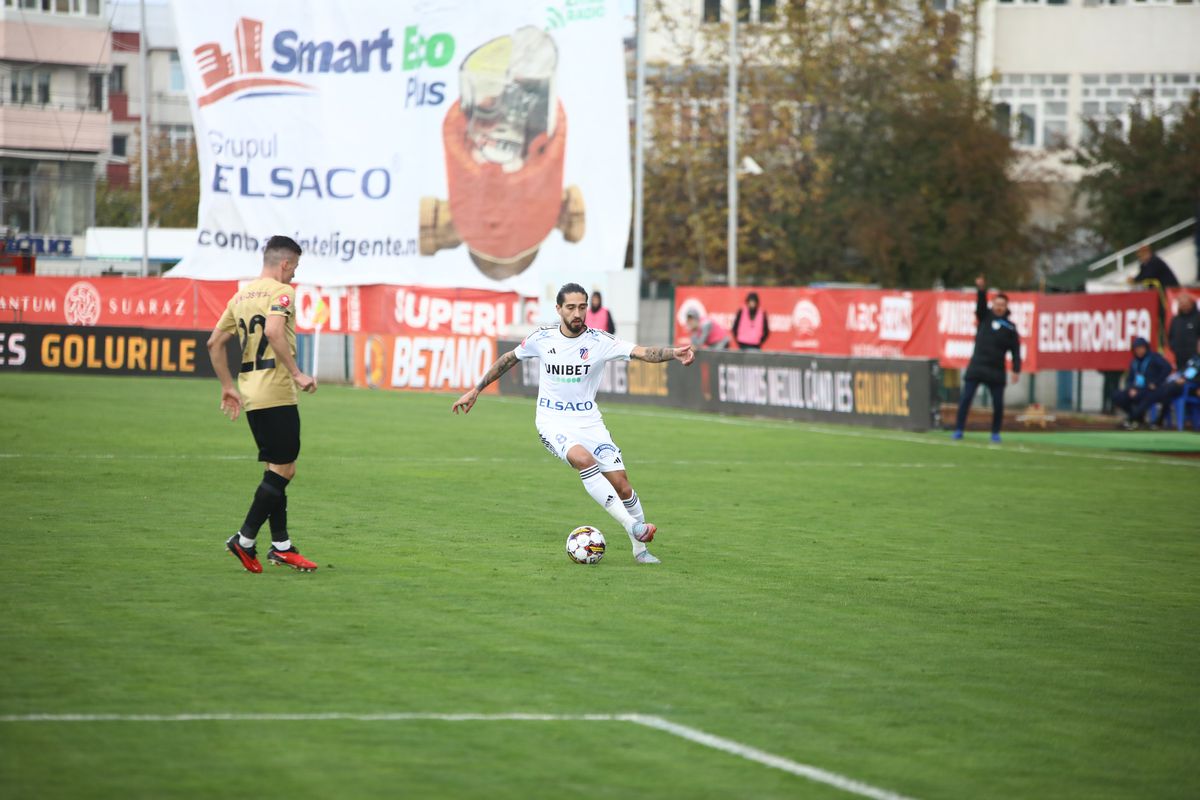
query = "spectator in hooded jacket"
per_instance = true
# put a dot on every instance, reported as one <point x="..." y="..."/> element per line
<point x="750" y="329"/>
<point x="1148" y="371"/>
<point x="1184" y="331"/>
<point x="597" y="316"/>
<point x="995" y="337"/>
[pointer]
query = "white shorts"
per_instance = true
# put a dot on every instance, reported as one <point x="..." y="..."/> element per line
<point x="558" y="438"/>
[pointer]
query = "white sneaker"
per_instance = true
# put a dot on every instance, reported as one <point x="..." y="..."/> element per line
<point x="646" y="557"/>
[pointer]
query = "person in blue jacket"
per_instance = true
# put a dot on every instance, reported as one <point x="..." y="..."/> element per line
<point x="1148" y="371"/>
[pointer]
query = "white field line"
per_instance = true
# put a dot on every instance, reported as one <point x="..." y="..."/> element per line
<point x="900" y="436"/>
<point x="695" y="735"/>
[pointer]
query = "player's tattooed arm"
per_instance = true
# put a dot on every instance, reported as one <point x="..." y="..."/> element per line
<point x="654" y="355"/>
<point x="503" y="364"/>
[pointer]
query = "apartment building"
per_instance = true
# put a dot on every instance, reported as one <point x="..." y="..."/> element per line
<point x="54" y="117"/>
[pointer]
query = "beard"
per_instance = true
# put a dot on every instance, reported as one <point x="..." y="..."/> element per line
<point x="575" y="325"/>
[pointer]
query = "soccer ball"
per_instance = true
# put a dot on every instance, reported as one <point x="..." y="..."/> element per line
<point x="585" y="545"/>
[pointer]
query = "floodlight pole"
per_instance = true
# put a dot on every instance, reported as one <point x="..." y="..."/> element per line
<point x="732" y="266"/>
<point x="144" y="147"/>
<point x="639" y="144"/>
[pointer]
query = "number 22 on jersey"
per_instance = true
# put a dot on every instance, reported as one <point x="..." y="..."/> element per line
<point x="257" y="327"/>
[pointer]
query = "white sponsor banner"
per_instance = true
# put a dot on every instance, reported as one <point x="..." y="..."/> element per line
<point x="444" y="143"/>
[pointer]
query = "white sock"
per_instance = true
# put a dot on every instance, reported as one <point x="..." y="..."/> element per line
<point x="634" y="506"/>
<point x="244" y="542"/>
<point x="603" y="493"/>
<point x="286" y="544"/>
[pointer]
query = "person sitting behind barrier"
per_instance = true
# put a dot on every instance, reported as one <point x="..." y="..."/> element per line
<point x="1148" y="372"/>
<point x="750" y="328"/>
<point x="1186" y="378"/>
<point x="706" y="334"/>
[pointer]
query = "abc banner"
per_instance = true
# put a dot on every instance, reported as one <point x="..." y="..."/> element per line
<point x="477" y="145"/>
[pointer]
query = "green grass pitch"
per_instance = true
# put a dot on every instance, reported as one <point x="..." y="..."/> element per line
<point x="937" y="620"/>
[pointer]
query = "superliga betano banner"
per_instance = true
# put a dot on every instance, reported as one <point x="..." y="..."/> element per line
<point x="420" y="142"/>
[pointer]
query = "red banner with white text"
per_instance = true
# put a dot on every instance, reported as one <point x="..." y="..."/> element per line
<point x="1069" y="331"/>
<point x="431" y="339"/>
<point x="113" y="302"/>
<point x="1094" y="331"/>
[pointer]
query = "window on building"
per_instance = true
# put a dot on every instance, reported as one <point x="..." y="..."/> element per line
<point x="712" y="10"/>
<point x="1034" y="109"/>
<point x="93" y="8"/>
<point x="62" y="6"/>
<point x="180" y="138"/>
<point x="16" y="202"/>
<point x="743" y="7"/>
<point x="120" y="145"/>
<point x="116" y="79"/>
<point x="96" y="91"/>
<point x="21" y="86"/>
<point x="766" y="11"/>
<point x="176" y="73"/>
<point x="43" y="88"/>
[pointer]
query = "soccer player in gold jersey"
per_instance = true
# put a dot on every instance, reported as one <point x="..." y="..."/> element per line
<point x="262" y="316"/>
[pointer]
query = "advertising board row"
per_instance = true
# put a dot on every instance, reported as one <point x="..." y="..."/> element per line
<point x="878" y="392"/>
<point x="443" y="339"/>
<point x="1058" y="331"/>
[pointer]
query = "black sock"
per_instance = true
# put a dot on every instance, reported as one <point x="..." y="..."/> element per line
<point x="278" y="520"/>
<point x="266" y="497"/>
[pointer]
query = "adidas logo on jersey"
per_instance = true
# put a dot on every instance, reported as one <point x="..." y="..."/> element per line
<point x="551" y="352"/>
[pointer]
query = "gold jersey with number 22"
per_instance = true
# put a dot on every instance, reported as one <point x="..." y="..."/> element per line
<point x="263" y="381"/>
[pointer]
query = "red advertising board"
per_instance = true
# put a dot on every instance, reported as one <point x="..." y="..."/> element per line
<point x="196" y="305"/>
<point x="863" y="323"/>
<point x="1058" y="331"/>
<point x="120" y="302"/>
<point x="441" y="330"/>
<point x="1094" y="331"/>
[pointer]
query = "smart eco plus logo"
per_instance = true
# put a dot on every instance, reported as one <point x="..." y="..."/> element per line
<point x="247" y="77"/>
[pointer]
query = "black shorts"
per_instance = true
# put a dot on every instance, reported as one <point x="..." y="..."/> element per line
<point x="277" y="433"/>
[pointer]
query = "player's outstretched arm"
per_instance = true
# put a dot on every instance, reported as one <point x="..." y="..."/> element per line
<point x="276" y="332"/>
<point x="231" y="401"/>
<point x="502" y="365"/>
<point x="684" y="355"/>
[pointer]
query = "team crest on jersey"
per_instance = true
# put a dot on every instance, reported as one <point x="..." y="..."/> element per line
<point x="285" y="301"/>
<point x="583" y="353"/>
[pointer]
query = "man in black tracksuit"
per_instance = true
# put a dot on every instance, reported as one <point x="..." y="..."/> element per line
<point x="994" y="338"/>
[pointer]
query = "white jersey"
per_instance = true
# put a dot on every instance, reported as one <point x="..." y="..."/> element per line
<point x="571" y="371"/>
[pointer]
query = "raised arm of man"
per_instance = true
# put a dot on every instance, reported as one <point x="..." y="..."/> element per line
<point x="981" y="304"/>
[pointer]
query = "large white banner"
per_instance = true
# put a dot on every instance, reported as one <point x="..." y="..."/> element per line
<point x="455" y="143"/>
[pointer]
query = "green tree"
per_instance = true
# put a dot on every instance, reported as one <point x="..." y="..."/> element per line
<point x="880" y="163"/>
<point x="174" y="190"/>
<point x="1144" y="180"/>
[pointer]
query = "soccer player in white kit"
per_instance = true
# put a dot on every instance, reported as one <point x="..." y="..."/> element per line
<point x="568" y="419"/>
